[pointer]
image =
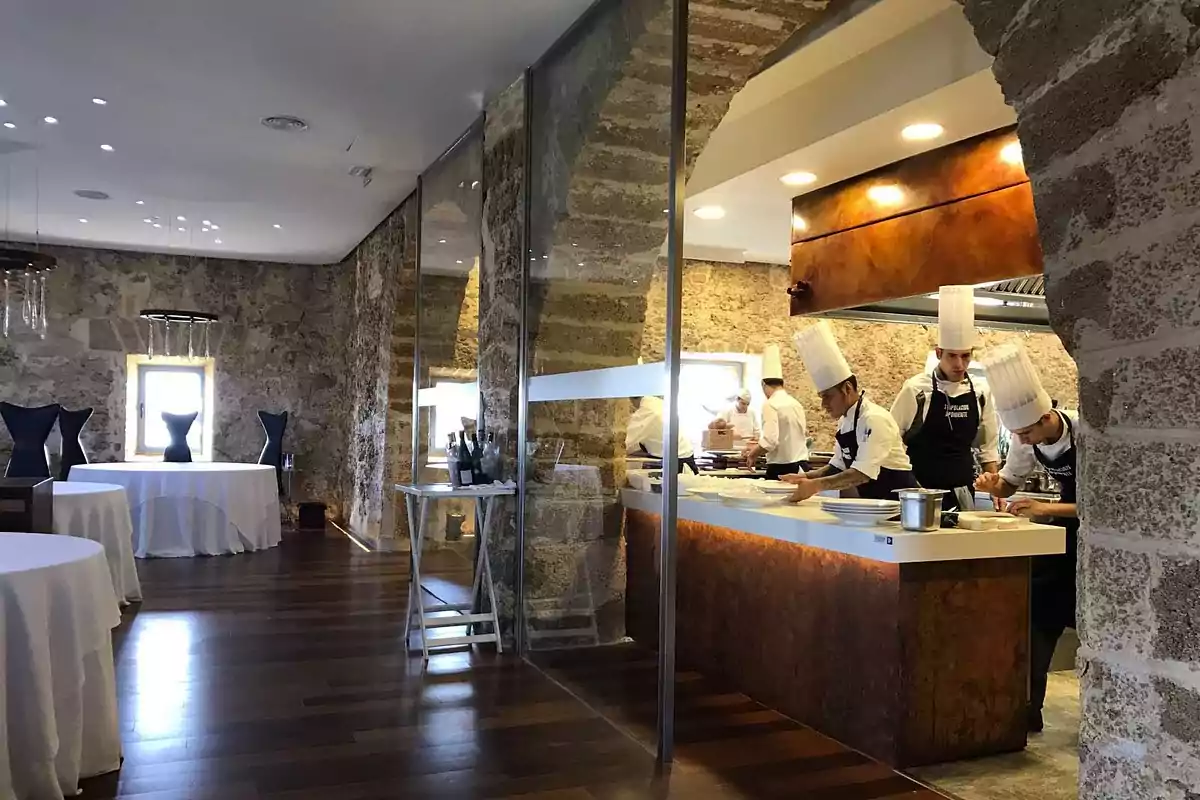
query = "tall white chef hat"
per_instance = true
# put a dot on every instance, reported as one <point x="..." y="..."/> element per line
<point x="1016" y="389"/>
<point x="956" y="318"/>
<point x="772" y="364"/>
<point x="822" y="356"/>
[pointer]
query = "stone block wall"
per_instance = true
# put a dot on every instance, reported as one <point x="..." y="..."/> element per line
<point x="1108" y="97"/>
<point x="279" y="346"/>
<point x="739" y="308"/>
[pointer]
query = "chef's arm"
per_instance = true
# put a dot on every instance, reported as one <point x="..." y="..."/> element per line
<point x="821" y="472"/>
<point x="1059" y="510"/>
<point x="989" y="437"/>
<point x="904" y="408"/>
<point x="842" y="480"/>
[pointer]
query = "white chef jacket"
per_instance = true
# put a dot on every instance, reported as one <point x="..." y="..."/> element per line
<point x="745" y="425"/>
<point x="784" y="430"/>
<point x="879" y="442"/>
<point x="646" y="430"/>
<point x="904" y="409"/>
<point x="1021" y="460"/>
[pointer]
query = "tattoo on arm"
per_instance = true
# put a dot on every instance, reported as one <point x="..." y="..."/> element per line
<point x="844" y="480"/>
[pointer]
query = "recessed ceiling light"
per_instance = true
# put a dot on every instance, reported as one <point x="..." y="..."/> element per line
<point x="710" y="212"/>
<point x="81" y="219"/>
<point x="204" y="230"/>
<point x="10" y="125"/>
<point x="108" y="148"/>
<point x="459" y="261"/>
<point x="218" y="241"/>
<point x="100" y="101"/>
<point x="158" y="224"/>
<point x="886" y="194"/>
<point x="91" y="194"/>
<point x="139" y="202"/>
<point x="206" y="222"/>
<point x="922" y="131"/>
<point x="440" y="241"/>
<point x="277" y="226"/>
<point x="215" y="227"/>
<point x="181" y="219"/>
<point x="799" y="223"/>
<point x="283" y="122"/>
<point x="50" y="120"/>
<point x="1011" y="153"/>
<point x="181" y="228"/>
<point x="2" y="103"/>
<point x="147" y="220"/>
<point x="798" y="179"/>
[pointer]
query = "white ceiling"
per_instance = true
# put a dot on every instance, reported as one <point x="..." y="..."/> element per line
<point x="836" y="108"/>
<point x="187" y="82"/>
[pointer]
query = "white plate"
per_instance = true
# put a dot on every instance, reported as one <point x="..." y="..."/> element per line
<point x="774" y="487"/>
<point x="862" y="520"/>
<point x="860" y="503"/>
<point x="749" y="500"/>
<point x="707" y="494"/>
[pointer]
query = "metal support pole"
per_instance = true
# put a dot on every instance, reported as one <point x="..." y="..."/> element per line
<point x="670" y="479"/>
<point x="416" y="387"/>
<point x="523" y="351"/>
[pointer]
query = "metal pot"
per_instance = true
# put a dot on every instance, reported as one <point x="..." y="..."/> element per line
<point x="920" y="509"/>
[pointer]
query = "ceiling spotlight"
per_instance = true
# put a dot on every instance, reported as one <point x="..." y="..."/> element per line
<point x="1011" y="153"/>
<point x="206" y="222"/>
<point x="91" y="194"/>
<point x="147" y="220"/>
<point x="710" y="212"/>
<point x="215" y="227"/>
<point x="922" y="131"/>
<point x="440" y="241"/>
<point x="108" y="148"/>
<point x="799" y="223"/>
<point x="81" y="219"/>
<point x="2" y="103"/>
<point x="204" y="230"/>
<point x="181" y="219"/>
<point x="10" y="125"/>
<point x="139" y="202"/>
<point x="285" y="123"/>
<point x="277" y="226"/>
<point x="798" y="179"/>
<point x="100" y="101"/>
<point x="218" y="241"/>
<point x="181" y="229"/>
<point x="158" y="224"/>
<point x="50" y="120"/>
<point x="886" y="194"/>
<point x="459" y="261"/>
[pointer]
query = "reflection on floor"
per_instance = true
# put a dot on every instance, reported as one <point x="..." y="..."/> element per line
<point x="1048" y="769"/>
<point x="727" y="746"/>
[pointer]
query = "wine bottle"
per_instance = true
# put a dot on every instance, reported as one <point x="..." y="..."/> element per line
<point x="477" y="471"/>
<point x="491" y="458"/>
<point x="466" y="475"/>
<point x="452" y="462"/>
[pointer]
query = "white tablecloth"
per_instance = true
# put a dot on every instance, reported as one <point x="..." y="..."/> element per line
<point x="199" y="508"/>
<point x="100" y="512"/>
<point x="58" y="698"/>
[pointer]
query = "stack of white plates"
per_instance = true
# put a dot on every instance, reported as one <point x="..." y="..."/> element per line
<point x="750" y="499"/>
<point x="774" y="487"/>
<point x="860" y="512"/>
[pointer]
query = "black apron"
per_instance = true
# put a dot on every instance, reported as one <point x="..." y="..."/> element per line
<point x="940" y="445"/>
<point x="882" y="487"/>
<point x="1053" y="586"/>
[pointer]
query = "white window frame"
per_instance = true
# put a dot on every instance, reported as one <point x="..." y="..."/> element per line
<point x="136" y="366"/>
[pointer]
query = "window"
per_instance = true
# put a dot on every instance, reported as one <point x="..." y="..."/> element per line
<point x="172" y="385"/>
<point x="706" y="387"/>
<point x="453" y="402"/>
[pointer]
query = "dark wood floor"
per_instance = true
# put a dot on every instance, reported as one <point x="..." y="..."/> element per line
<point x="282" y="675"/>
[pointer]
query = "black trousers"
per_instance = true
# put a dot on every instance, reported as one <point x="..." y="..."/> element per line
<point x="1043" y="639"/>
<point x="690" y="462"/>
<point x="775" y="471"/>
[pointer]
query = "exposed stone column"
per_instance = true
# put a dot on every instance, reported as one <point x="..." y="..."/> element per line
<point x="1107" y="95"/>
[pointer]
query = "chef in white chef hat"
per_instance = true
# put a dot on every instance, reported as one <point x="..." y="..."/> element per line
<point x="944" y="414"/>
<point x="1041" y="435"/>
<point x="869" y="460"/>
<point x="784" y="435"/>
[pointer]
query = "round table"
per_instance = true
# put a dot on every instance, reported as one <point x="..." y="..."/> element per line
<point x="100" y="512"/>
<point x="57" y="610"/>
<point x="196" y="508"/>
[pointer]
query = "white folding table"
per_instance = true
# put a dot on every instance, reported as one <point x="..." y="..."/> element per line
<point x="417" y="499"/>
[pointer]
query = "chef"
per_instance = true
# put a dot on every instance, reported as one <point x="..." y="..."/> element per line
<point x="870" y="457"/>
<point x="784" y="436"/>
<point x="644" y="436"/>
<point x="1046" y="436"/>
<point x="943" y="413"/>
<point x="740" y="418"/>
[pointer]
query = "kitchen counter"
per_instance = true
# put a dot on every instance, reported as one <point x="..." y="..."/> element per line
<point x="910" y="647"/>
<point x="805" y="523"/>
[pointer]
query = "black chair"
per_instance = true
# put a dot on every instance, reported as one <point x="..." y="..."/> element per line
<point x="70" y="425"/>
<point x="272" y="452"/>
<point x="29" y="428"/>
<point x="178" y="426"/>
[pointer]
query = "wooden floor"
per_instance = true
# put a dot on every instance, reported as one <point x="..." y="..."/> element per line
<point x="282" y="675"/>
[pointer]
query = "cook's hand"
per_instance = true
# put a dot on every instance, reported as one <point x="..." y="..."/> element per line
<point x="795" y="477"/>
<point x="998" y="503"/>
<point x="1027" y="507"/>
<point x="989" y="482"/>
<point x="805" y="488"/>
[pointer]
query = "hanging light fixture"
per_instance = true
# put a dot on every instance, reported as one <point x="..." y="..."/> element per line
<point x="24" y="271"/>
<point x="187" y="320"/>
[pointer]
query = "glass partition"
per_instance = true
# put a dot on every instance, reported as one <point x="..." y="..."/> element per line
<point x="595" y="349"/>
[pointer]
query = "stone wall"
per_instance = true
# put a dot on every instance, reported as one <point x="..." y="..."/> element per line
<point x="739" y="308"/>
<point x="280" y="346"/>
<point x="1108" y="97"/>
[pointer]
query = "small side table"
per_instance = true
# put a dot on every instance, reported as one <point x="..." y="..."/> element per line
<point x="417" y="499"/>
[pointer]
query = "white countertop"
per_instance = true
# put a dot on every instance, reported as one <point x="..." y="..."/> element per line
<point x="805" y="523"/>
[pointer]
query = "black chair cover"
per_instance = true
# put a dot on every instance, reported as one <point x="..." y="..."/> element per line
<point x="29" y="428"/>
<point x="178" y="426"/>
<point x="272" y="452"/>
<point x="70" y="425"/>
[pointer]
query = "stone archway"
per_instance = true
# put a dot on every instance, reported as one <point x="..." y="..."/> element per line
<point x="1106" y="93"/>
